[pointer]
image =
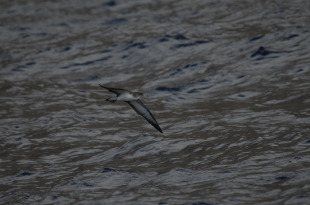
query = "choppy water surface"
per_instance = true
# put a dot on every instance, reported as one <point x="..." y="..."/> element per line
<point x="228" y="82"/>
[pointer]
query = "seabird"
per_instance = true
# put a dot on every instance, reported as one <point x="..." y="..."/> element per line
<point x="133" y="99"/>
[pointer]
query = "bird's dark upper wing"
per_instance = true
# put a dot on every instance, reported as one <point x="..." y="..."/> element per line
<point x="138" y="106"/>
<point x="115" y="90"/>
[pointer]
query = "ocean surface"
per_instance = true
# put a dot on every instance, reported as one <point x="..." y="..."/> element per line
<point x="227" y="81"/>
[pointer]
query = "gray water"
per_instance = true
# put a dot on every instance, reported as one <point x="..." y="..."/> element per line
<point x="227" y="81"/>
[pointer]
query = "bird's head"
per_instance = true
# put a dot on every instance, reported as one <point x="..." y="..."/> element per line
<point x="139" y="94"/>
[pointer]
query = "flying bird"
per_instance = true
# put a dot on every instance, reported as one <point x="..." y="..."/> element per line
<point x="133" y="99"/>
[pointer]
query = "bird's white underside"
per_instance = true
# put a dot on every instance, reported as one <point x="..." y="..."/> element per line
<point x="126" y="97"/>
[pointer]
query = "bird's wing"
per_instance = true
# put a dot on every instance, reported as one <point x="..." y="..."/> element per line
<point x="115" y="90"/>
<point x="138" y="106"/>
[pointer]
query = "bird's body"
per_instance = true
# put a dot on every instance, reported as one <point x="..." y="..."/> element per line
<point x="133" y="99"/>
<point x="127" y="97"/>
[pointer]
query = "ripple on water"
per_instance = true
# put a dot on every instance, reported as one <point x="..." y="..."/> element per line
<point x="228" y="85"/>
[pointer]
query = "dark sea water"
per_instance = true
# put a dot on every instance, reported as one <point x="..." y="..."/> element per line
<point x="228" y="82"/>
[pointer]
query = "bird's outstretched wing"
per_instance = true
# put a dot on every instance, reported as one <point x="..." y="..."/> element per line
<point x="115" y="90"/>
<point x="140" y="108"/>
